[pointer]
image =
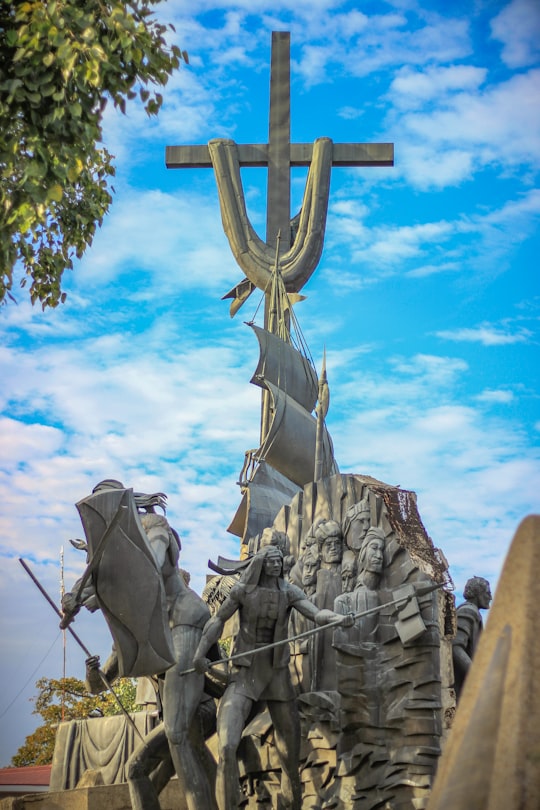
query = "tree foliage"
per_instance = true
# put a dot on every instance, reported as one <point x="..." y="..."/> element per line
<point x="77" y="703"/>
<point x="61" y="61"/>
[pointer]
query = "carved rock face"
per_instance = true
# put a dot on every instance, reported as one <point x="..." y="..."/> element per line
<point x="374" y="559"/>
<point x="332" y="549"/>
<point x="309" y="571"/>
<point x="272" y="565"/>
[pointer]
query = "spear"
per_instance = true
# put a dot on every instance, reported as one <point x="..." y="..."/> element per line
<point x="401" y="600"/>
<point x="106" y="683"/>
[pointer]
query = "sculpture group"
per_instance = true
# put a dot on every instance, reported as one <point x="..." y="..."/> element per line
<point x="341" y="712"/>
<point x="339" y="686"/>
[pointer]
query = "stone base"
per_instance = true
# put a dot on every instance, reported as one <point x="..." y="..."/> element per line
<point x="102" y="797"/>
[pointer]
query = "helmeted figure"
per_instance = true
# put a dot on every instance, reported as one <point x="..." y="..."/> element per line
<point x="477" y="593"/>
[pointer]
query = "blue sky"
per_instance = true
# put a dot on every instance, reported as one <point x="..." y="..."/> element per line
<point x="426" y="298"/>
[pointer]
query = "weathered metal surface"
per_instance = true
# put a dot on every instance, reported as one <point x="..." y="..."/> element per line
<point x="278" y="209"/>
<point x="264" y="496"/>
<point x="255" y="155"/>
<point x="380" y="741"/>
<point x="283" y="366"/>
<point x="278" y="155"/>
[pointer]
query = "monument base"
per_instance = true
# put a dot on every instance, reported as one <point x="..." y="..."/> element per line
<point x="101" y="797"/>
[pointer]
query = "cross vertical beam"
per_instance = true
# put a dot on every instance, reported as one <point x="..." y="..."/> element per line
<point x="279" y="139"/>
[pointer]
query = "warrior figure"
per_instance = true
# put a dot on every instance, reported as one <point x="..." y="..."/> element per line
<point x="181" y="694"/>
<point x="264" y="601"/>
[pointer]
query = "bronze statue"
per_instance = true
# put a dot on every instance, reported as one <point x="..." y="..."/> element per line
<point x="477" y="593"/>
<point x="357" y="522"/>
<point x="186" y="615"/>
<point x="264" y="601"/>
<point x="330" y="546"/>
<point x="330" y="542"/>
<point x="301" y="656"/>
<point x="364" y="596"/>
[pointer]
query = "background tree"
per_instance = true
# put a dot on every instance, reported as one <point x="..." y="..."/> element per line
<point x="38" y="747"/>
<point x="60" y="63"/>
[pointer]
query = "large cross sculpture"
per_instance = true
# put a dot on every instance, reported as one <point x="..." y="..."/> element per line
<point x="279" y="154"/>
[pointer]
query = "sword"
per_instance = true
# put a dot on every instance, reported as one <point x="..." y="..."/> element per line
<point x="40" y="587"/>
<point x="401" y="600"/>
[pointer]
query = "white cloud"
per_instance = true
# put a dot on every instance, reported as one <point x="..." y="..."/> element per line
<point x="517" y="27"/>
<point x="350" y="113"/>
<point x="487" y="335"/>
<point x="427" y="167"/>
<point x="412" y="87"/>
<point x="423" y="270"/>
<point x="386" y="40"/>
<point x="475" y="475"/>
<point x="497" y="396"/>
<point x="472" y="129"/>
<point x="168" y="236"/>
<point x="383" y="249"/>
<point x="477" y="244"/>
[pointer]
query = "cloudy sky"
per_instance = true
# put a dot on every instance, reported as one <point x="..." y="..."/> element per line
<point x="426" y="299"/>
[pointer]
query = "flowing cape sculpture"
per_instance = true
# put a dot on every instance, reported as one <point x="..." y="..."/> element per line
<point x="137" y="613"/>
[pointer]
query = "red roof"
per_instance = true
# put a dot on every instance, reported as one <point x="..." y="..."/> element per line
<point x="27" y="775"/>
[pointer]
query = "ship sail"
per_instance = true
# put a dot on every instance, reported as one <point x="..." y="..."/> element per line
<point x="285" y="460"/>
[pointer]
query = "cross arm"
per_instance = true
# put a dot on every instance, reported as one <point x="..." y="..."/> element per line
<point x="256" y="154"/>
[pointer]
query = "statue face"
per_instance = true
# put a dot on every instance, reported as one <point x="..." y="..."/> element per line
<point x="484" y="597"/>
<point x="374" y="556"/>
<point x="347" y="577"/>
<point x="306" y="543"/>
<point x="332" y="549"/>
<point x="267" y="537"/>
<point x="272" y="565"/>
<point x="363" y="526"/>
<point x="309" y="571"/>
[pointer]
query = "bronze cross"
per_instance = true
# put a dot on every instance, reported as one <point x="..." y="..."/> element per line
<point x="279" y="154"/>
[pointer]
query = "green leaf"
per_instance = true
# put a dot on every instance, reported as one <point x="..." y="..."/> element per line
<point x="67" y="59"/>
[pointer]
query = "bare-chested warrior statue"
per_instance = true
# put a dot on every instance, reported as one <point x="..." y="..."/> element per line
<point x="264" y="601"/>
<point x="182" y="694"/>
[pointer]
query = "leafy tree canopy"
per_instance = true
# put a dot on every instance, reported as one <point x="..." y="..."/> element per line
<point x="77" y="703"/>
<point x="61" y="61"/>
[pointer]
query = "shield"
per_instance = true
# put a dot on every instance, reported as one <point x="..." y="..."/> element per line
<point x="129" y="586"/>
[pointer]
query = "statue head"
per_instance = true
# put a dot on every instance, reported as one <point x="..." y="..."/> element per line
<point x="143" y="502"/>
<point x="273" y="537"/>
<point x="306" y="542"/>
<point x="371" y="555"/>
<point x="310" y="566"/>
<point x="348" y="571"/>
<point x="329" y="541"/>
<point x="357" y="522"/>
<point x="478" y="591"/>
<point x="264" y="561"/>
<point x="108" y="483"/>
